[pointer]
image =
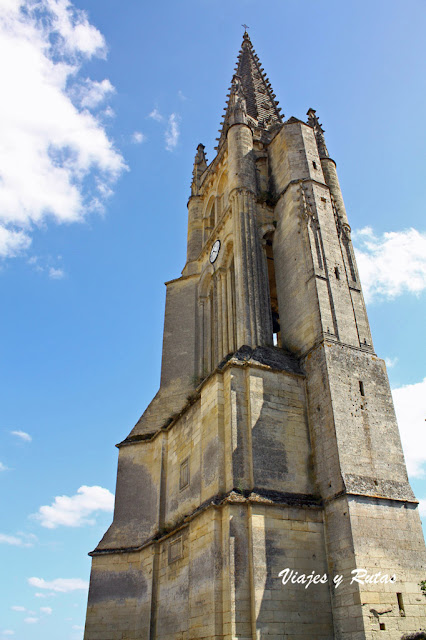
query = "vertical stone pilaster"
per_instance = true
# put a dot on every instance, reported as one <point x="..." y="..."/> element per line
<point x="225" y="313"/>
<point x="230" y="305"/>
<point x="254" y="326"/>
<point x="201" y="337"/>
<point x="219" y="316"/>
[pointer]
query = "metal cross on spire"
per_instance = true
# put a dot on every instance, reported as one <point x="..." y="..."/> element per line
<point x="245" y="27"/>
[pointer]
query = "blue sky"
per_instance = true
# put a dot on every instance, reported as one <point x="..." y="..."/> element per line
<point x="99" y="122"/>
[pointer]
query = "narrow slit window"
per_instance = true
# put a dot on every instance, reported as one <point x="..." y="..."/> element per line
<point x="184" y="474"/>
<point x="400" y="604"/>
<point x="361" y="388"/>
<point x="269" y="254"/>
<point x="314" y="164"/>
<point x="337" y="273"/>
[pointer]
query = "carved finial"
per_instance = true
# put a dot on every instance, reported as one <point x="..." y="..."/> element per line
<point x="237" y="102"/>
<point x="200" y="165"/>
<point x="319" y="133"/>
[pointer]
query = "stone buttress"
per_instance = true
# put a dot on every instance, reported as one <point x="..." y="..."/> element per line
<point x="272" y="442"/>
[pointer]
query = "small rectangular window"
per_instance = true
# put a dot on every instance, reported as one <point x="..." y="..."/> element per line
<point x="382" y="626"/>
<point x="361" y="388"/>
<point x="184" y="474"/>
<point x="314" y="164"/>
<point x="175" y="549"/>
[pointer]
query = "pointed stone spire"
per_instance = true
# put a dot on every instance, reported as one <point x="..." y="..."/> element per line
<point x="319" y="133"/>
<point x="200" y="165"/>
<point x="250" y="91"/>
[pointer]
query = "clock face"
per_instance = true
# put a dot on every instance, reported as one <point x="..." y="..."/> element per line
<point x="215" y="251"/>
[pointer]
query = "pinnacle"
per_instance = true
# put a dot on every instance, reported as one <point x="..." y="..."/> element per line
<point x="261" y="107"/>
<point x="319" y="132"/>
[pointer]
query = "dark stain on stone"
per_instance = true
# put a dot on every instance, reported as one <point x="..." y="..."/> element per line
<point x="269" y="455"/>
<point x="136" y="505"/>
<point x="117" y="586"/>
<point x="210" y="461"/>
<point x="238" y="531"/>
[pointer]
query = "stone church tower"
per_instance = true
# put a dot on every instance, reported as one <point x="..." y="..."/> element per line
<point x="272" y="442"/>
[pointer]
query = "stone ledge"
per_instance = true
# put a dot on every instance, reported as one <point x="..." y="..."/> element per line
<point x="256" y="495"/>
<point x="272" y="358"/>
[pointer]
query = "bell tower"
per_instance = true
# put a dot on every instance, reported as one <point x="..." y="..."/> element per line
<point x="272" y="443"/>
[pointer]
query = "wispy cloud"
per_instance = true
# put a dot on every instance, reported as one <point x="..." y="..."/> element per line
<point x="12" y="243"/>
<point x="17" y="607"/>
<point x="43" y="265"/>
<point x="19" y="540"/>
<point x="138" y="137"/>
<point x="181" y="96"/>
<point x="77" y="510"/>
<point x="59" y="585"/>
<point x="156" y="115"/>
<point x="22" y="435"/>
<point x="46" y="610"/>
<point x="422" y="507"/>
<point x="172" y="132"/>
<point x="51" y="144"/>
<point x="31" y="620"/>
<point x="91" y="94"/>
<point x="391" y="362"/>
<point x="3" y="467"/>
<point x="56" y="274"/>
<point x="8" y="632"/>
<point x="410" y="408"/>
<point x="392" y="263"/>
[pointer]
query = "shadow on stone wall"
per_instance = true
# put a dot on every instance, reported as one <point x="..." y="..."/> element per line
<point x="277" y="608"/>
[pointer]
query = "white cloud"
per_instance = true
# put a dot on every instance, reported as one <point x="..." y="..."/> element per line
<point x="3" y="467"/>
<point x="18" y="608"/>
<point x="76" y="511"/>
<point x="391" y="362"/>
<point x="91" y="94"/>
<point x="8" y="632"/>
<point x="42" y="265"/>
<point x="172" y="132"/>
<point x="156" y="115"/>
<point x="77" y="627"/>
<point x="17" y="541"/>
<point x="422" y="507"/>
<point x="49" y="146"/>
<point x="22" y="435"/>
<point x="12" y="243"/>
<point x="47" y="610"/>
<point x="182" y="96"/>
<point x="77" y="36"/>
<point x="59" y="585"/>
<point x="391" y="264"/>
<point x="44" y="595"/>
<point x="410" y="407"/>
<point x="31" y="620"/>
<point x="108" y="112"/>
<point x="56" y="274"/>
<point x="138" y="137"/>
